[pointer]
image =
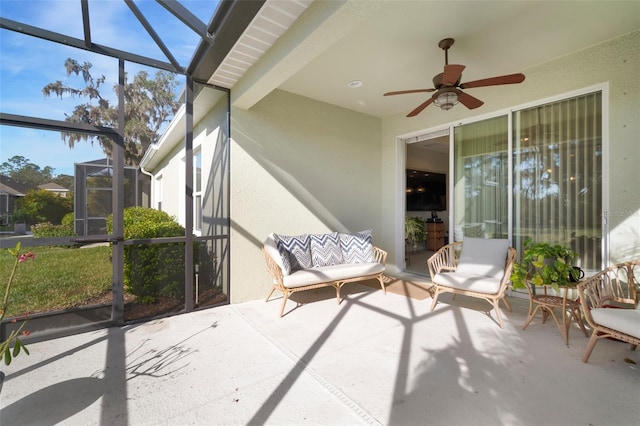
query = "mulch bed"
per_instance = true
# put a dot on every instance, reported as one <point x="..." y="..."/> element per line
<point x="134" y="310"/>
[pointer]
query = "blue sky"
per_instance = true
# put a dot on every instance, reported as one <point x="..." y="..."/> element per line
<point x="27" y="64"/>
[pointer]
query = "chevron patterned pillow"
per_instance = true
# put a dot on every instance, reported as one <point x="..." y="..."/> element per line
<point x="294" y="251"/>
<point x="357" y="248"/>
<point x="325" y="249"/>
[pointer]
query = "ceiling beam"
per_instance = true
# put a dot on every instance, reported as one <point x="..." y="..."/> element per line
<point x="228" y="24"/>
<point x="322" y="25"/>
<point x="30" y="30"/>
<point x="187" y="18"/>
<point x="55" y="125"/>
<point x="86" y="25"/>
<point x="154" y="35"/>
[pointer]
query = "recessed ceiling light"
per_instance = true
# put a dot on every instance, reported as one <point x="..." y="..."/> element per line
<point x="354" y="84"/>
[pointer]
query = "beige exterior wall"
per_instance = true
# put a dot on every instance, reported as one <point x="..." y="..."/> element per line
<point x="298" y="166"/>
<point x="302" y="166"/>
<point x="172" y="178"/>
<point x="615" y="63"/>
<point x="207" y="134"/>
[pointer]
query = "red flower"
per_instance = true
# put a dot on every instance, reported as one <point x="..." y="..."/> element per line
<point x="26" y="256"/>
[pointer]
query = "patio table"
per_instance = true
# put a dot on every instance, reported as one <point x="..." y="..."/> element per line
<point x="547" y="304"/>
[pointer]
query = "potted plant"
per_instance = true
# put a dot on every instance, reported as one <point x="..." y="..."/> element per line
<point x="414" y="230"/>
<point x="545" y="264"/>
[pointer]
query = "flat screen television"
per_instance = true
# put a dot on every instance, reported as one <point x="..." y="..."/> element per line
<point x="426" y="191"/>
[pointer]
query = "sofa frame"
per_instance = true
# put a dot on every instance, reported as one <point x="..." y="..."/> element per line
<point x="380" y="256"/>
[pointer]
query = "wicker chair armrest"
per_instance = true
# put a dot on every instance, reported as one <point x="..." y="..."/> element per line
<point x="445" y="259"/>
<point x="379" y="255"/>
<point x="615" y="285"/>
<point x="273" y="268"/>
<point x="508" y="268"/>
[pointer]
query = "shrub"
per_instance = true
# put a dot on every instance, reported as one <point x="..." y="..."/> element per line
<point x="43" y="206"/>
<point x="49" y="230"/>
<point x="68" y="220"/>
<point x="152" y="270"/>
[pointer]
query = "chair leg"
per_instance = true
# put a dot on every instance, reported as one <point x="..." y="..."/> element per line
<point x="435" y="298"/>
<point x="592" y="343"/>
<point x="504" y="299"/>
<point x="338" y="294"/>
<point x="496" y="308"/>
<point x="384" y="289"/>
<point x="634" y="347"/>
<point x="285" y="296"/>
<point x="270" y="293"/>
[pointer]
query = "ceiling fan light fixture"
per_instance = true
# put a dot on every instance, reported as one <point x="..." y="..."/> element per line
<point x="446" y="100"/>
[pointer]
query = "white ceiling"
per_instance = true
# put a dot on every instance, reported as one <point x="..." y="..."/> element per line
<point x="396" y="46"/>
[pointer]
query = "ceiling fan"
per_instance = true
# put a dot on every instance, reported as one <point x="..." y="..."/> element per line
<point x="447" y="85"/>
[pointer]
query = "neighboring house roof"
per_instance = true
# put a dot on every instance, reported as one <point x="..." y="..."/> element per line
<point x="13" y="187"/>
<point x="54" y="187"/>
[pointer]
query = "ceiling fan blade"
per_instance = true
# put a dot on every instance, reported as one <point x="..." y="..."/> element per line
<point x="404" y="92"/>
<point x="452" y="74"/>
<point x="469" y="101"/>
<point x="420" y="107"/>
<point x="494" y="81"/>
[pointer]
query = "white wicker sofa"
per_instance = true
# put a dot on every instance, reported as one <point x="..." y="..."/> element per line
<point x="309" y="261"/>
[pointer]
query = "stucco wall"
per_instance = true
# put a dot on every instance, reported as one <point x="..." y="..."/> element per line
<point x="615" y="62"/>
<point x="298" y="166"/>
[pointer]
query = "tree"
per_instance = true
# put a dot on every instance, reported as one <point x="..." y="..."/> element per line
<point x="22" y="170"/>
<point x="43" y="206"/>
<point x="149" y="103"/>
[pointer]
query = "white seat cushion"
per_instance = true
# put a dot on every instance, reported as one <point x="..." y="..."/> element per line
<point x="482" y="256"/>
<point x="624" y="320"/>
<point x="324" y="274"/>
<point x="471" y="282"/>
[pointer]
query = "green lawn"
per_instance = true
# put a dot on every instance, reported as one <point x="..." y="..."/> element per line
<point x="58" y="278"/>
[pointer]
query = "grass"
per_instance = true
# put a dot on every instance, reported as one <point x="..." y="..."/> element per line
<point x="58" y="278"/>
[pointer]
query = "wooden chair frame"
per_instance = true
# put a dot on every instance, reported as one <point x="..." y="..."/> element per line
<point x="613" y="287"/>
<point x="446" y="259"/>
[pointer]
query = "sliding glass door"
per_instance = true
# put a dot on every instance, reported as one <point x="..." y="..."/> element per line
<point x="557" y="160"/>
<point x="557" y="177"/>
<point x="481" y="175"/>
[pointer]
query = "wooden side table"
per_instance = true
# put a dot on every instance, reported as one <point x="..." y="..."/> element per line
<point x="435" y="235"/>
<point x="547" y="304"/>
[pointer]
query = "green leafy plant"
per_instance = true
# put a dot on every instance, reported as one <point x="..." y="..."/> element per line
<point x="544" y="264"/>
<point x="152" y="270"/>
<point x="11" y="346"/>
<point x="414" y="229"/>
<point x="49" y="230"/>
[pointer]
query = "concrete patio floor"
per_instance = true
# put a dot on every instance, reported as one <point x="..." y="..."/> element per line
<point x="374" y="359"/>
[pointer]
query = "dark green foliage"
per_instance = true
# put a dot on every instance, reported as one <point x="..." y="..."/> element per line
<point x="544" y="264"/>
<point x="152" y="270"/>
<point x="22" y="170"/>
<point x="43" y="206"/>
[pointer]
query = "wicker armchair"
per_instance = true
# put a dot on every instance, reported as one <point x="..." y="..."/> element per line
<point x="486" y="273"/>
<point x="609" y="303"/>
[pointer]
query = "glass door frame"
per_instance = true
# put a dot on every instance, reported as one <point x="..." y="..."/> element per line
<point x="402" y="140"/>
